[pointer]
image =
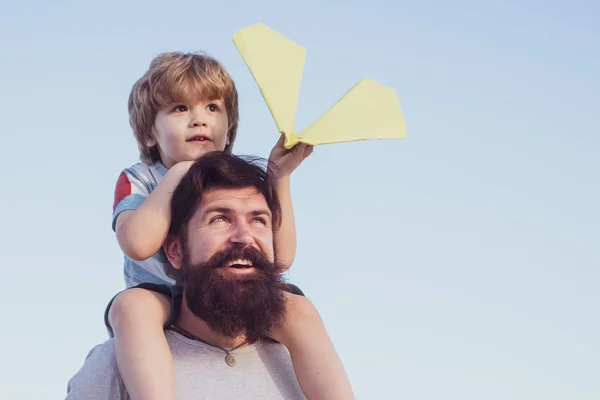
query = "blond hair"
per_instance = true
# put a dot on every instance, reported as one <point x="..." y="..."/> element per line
<point x="176" y="77"/>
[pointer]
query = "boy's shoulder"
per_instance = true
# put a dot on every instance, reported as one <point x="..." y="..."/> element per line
<point x="145" y="169"/>
<point x="139" y="180"/>
<point x="149" y="173"/>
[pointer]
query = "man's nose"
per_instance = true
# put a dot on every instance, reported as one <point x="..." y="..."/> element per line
<point x="241" y="235"/>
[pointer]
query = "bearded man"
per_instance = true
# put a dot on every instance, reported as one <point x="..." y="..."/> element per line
<point x="230" y="293"/>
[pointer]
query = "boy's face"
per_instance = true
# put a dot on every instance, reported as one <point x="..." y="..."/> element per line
<point x="184" y="132"/>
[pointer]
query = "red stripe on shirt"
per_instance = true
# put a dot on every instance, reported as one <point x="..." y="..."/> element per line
<point x="122" y="190"/>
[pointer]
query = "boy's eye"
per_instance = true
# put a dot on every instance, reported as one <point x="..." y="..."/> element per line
<point x="213" y="107"/>
<point x="180" y="108"/>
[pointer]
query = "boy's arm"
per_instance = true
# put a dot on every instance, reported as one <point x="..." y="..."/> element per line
<point x="142" y="232"/>
<point x="285" y="162"/>
<point x="285" y="237"/>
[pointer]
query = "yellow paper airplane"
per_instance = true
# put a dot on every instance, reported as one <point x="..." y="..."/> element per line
<point x="368" y="111"/>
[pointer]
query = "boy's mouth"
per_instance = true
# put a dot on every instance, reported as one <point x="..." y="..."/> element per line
<point x="198" y="138"/>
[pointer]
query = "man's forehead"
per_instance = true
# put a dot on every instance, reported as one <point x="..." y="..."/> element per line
<point x="242" y="199"/>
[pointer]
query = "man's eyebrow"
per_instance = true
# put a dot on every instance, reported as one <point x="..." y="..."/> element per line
<point x="262" y="211"/>
<point x="218" y="209"/>
<point x="228" y="210"/>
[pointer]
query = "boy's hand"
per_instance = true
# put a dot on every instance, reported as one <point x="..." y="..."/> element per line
<point x="286" y="161"/>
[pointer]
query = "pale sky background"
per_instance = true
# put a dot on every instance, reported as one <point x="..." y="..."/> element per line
<point x="460" y="263"/>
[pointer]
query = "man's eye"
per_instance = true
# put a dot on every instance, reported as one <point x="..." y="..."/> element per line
<point x="218" y="219"/>
<point x="261" y="221"/>
<point x="180" y="108"/>
<point x="213" y="107"/>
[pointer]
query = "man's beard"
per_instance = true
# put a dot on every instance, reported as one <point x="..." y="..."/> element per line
<point x="233" y="304"/>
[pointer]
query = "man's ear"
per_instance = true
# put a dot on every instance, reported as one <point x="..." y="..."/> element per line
<point x="173" y="250"/>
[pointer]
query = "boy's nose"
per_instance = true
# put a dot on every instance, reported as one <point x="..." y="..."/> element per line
<point x="198" y="118"/>
<point x="198" y="123"/>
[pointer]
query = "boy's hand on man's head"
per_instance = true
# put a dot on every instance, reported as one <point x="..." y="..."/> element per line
<point x="286" y="161"/>
<point x="180" y="169"/>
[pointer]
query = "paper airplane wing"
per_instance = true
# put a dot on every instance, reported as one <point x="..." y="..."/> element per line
<point x="367" y="111"/>
<point x="276" y="63"/>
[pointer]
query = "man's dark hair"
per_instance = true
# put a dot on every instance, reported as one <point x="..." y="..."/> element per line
<point x="220" y="170"/>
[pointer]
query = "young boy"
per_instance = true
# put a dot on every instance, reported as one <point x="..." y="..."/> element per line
<point x="183" y="107"/>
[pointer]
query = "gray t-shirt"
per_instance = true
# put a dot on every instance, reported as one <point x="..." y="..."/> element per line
<point x="263" y="371"/>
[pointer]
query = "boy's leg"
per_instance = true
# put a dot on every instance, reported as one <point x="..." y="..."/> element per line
<point x="318" y="368"/>
<point x="136" y="317"/>
<point x="170" y="292"/>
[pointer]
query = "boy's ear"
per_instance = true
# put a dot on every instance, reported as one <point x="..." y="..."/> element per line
<point x="151" y="141"/>
<point x="228" y="135"/>
<point x="173" y="250"/>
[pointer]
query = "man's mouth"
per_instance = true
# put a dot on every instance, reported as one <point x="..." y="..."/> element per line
<point x="240" y="266"/>
<point x="239" y="263"/>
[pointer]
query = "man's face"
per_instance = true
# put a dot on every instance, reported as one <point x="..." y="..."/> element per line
<point x="226" y="259"/>
<point x="231" y="218"/>
<point x="184" y="132"/>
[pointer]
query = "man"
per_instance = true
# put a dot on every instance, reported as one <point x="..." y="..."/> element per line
<point x="224" y="212"/>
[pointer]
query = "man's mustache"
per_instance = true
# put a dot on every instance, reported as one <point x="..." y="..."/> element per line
<point x="248" y="303"/>
<point x="225" y="257"/>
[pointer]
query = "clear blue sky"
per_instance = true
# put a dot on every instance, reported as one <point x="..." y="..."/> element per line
<point x="460" y="263"/>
